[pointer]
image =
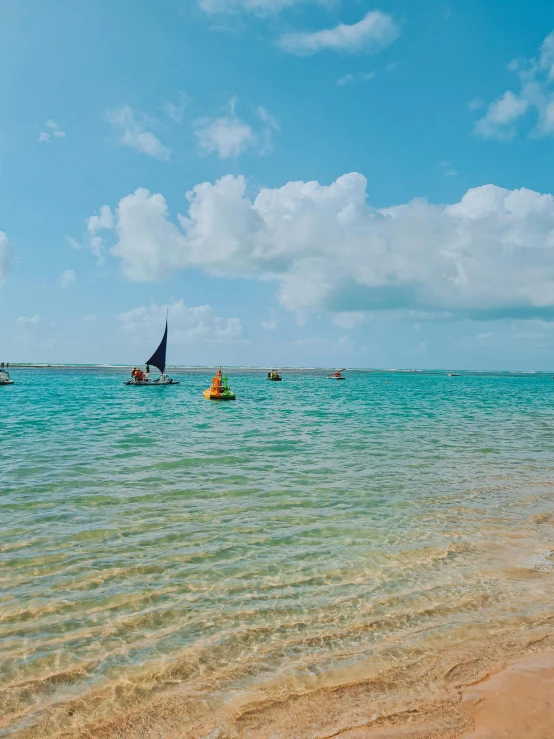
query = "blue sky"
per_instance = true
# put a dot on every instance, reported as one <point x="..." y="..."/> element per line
<point x="302" y="182"/>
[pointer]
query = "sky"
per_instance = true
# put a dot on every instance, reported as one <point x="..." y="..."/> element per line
<point x="334" y="183"/>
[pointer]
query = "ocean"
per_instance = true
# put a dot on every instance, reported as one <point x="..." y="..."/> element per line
<point x="169" y="563"/>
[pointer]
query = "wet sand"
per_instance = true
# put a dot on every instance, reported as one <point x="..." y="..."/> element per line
<point x="466" y="693"/>
<point x="516" y="702"/>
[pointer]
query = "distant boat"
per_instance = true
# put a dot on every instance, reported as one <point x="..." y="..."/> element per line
<point x="274" y="376"/>
<point x="337" y="375"/>
<point x="453" y="374"/>
<point x="141" y="379"/>
<point x="5" y="378"/>
<point x="219" y="389"/>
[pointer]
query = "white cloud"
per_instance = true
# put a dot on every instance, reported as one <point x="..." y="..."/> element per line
<point x="269" y="128"/>
<point x="104" y="221"/>
<point x="350" y="319"/>
<point x="6" y="256"/>
<point x="489" y="255"/>
<point x="189" y="325"/>
<point x="374" y="32"/>
<point x="55" y="131"/>
<point x="68" y="278"/>
<point x="535" y="94"/>
<point x="346" y="79"/>
<point x="256" y="6"/>
<point x="176" y="111"/>
<point x="229" y="136"/>
<point x="476" y="103"/>
<point x="499" y="120"/>
<point x="36" y="330"/>
<point x="135" y="135"/>
<point x="447" y="169"/>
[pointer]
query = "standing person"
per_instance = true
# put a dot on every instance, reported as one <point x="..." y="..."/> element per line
<point x="147" y="374"/>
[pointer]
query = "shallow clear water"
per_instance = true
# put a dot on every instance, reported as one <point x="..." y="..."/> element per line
<point x="151" y="539"/>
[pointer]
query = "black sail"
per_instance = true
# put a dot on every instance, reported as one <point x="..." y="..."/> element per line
<point x="158" y="358"/>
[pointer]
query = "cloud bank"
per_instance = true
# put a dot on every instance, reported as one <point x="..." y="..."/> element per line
<point x="490" y="255"/>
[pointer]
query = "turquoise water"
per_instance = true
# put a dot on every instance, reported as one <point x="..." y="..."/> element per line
<point x="152" y="540"/>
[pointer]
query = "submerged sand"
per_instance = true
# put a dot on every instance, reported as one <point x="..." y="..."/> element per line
<point x="467" y="692"/>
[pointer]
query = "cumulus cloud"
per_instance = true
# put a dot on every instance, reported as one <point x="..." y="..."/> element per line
<point x="45" y="137"/>
<point x="36" y="330"/>
<point x="534" y="95"/>
<point x="68" y="278"/>
<point x="189" y="325"/>
<point x="327" y="250"/>
<point x="374" y="32"/>
<point x="104" y="221"/>
<point x="6" y="256"/>
<point x="135" y="135"/>
<point x="229" y="136"/>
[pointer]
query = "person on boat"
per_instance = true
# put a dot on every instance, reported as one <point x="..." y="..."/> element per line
<point x="139" y="375"/>
<point x="147" y="374"/>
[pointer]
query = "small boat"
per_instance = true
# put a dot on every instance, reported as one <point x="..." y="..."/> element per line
<point x="274" y="376"/>
<point x="453" y="374"/>
<point x="337" y="375"/>
<point x="219" y="389"/>
<point x="5" y="378"/>
<point x="140" y="379"/>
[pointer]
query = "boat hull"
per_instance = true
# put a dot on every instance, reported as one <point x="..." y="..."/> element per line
<point x="219" y="396"/>
<point x="151" y="384"/>
<point x="6" y="382"/>
<point x="336" y="378"/>
<point x="275" y="379"/>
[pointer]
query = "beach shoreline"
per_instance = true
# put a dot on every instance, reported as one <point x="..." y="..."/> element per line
<point x="467" y="692"/>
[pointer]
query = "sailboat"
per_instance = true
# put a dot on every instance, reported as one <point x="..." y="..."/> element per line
<point x="140" y="379"/>
<point x="337" y="375"/>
